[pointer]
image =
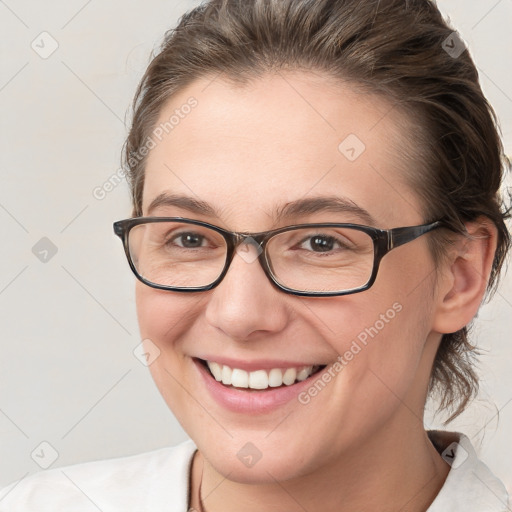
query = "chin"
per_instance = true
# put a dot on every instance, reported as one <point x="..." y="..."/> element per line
<point x="244" y="463"/>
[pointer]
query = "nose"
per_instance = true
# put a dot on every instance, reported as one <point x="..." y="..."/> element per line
<point x="246" y="302"/>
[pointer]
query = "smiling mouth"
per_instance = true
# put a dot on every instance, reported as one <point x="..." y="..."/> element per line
<point x="259" y="380"/>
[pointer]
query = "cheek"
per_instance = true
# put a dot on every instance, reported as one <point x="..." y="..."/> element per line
<point x="379" y="337"/>
<point x="163" y="319"/>
<point x="164" y="316"/>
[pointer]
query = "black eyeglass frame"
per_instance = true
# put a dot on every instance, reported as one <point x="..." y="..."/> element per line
<point x="384" y="240"/>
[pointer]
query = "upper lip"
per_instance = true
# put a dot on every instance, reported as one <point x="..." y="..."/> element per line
<point x="260" y="364"/>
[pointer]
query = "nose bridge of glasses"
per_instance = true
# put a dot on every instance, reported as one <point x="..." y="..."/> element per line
<point x="248" y="246"/>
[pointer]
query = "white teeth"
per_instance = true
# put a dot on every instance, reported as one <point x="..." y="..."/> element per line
<point x="226" y="375"/>
<point x="259" y="379"/>
<point x="289" y="376"/>
<point x="239" y="378"/>
<point x="304" y="373"/>
<point x="275" y="378"/>
<point x="216" y="370"/>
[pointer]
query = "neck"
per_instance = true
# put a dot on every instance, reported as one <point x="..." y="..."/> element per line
<point x="391" y="471"/>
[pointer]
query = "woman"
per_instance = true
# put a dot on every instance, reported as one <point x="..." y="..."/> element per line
<point x="279" y="151"/>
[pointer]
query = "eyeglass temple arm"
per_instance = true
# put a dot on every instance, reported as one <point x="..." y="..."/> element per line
<point x="400" y="236"/>
<point x="118" y="229"/>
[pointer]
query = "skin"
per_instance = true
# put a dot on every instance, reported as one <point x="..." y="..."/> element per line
<point x="360" y="443"/>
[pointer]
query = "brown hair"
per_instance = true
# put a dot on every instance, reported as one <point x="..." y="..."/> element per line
<point x="396" y="48"/>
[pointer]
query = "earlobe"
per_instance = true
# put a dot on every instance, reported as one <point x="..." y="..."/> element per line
<point x="465" y="275"/>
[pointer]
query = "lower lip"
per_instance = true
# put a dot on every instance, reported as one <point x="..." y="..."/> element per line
<point x="250" y="401"/>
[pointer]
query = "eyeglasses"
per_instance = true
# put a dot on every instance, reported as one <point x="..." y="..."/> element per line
<point x="328" y="259"/>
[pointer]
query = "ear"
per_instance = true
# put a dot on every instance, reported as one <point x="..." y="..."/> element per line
<point x="464" y="276"/>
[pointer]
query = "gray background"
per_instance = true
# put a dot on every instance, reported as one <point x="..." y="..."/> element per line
<point x="68" y="375"/>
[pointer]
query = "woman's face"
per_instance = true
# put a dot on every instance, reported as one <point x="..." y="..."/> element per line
<point x="248" y="152"/>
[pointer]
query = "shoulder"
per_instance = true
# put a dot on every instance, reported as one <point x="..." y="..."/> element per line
<point x="147" y="481"/>
<point x="470" y="486"/>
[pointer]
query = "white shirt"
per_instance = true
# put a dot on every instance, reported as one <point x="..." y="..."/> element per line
<point x="158" y="481"/>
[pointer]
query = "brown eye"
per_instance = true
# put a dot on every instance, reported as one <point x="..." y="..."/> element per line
<point x="189" y="240"/>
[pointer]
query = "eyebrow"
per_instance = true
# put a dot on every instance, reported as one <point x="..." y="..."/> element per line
<point x="183" y="202"/>
<point x="294" y="208"/>
<point x="323" y="203"/>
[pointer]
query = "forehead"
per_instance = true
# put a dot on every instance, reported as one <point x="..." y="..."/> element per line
<point x="250" y="149"/>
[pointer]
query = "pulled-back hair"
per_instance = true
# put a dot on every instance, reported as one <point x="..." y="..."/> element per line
<point x="399" y="49"/>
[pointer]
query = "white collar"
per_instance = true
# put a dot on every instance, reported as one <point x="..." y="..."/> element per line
<point x="470" y="485"/>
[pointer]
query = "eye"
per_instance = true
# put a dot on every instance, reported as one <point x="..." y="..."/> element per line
<point x="187" y="240"/>
<point x="322" y="243"/>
